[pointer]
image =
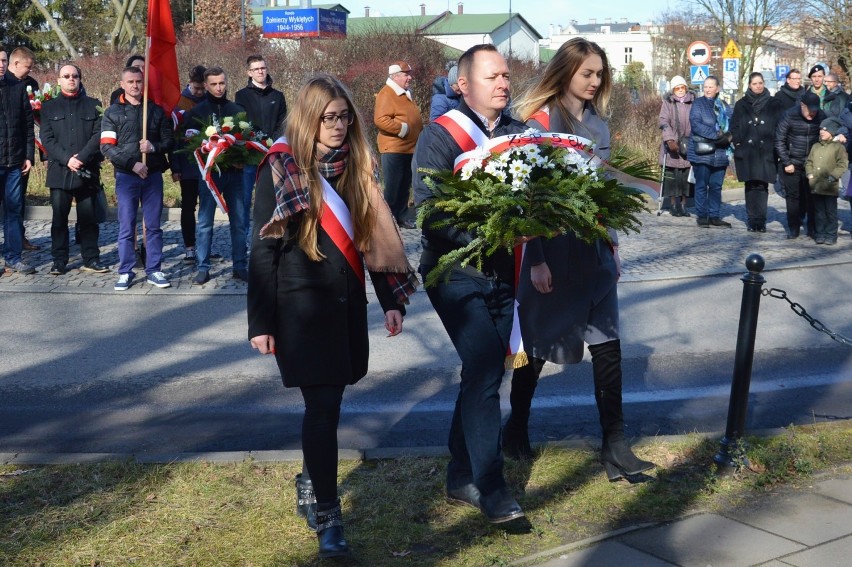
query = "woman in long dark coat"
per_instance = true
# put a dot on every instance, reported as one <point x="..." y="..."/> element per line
<point x="567" y="290"/>
<point x="321" y="217"/>
<point x="753" y="128"/>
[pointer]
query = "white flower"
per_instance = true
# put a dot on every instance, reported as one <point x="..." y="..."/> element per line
<point x="493" y="168"/>
<point x="518" y="183"/>
<point x="244" y="125"/>
<point x="46" y="87"/>
<point x="531" y="150"/>
<point x="531" y="133"/>
<point x="516" y="166"/>
<point x="29" y="89"/>
<point x="210" y="131"/>
<point x="468" y="168"/>
<point x="480" y="153"/>
<point x="190" y="132"/>
<point x="504" y="157"/>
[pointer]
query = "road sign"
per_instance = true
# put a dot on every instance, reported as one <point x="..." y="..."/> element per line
<point x="698" y="53"/>
<point x="304" y="22"/>
<point x="731" y="74"/>
<point x="732" y="51"/>
<point x="781" y="72"/>
<point x="698" y="73"/>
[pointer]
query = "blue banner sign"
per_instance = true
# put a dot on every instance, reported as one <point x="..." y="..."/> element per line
<point x="305" y="22"/>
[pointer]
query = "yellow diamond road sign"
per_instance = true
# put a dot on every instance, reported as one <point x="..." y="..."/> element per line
<point x="732" y="51"/>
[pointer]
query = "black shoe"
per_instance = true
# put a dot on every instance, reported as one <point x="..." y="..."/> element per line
<point x="500" y="506"/>
<point x="95" y="267"/>
<point x="619" y="461"/>
<point x="306" y="502"/>
<point x="241" y="275"/>
<point x="330" y="533"/>
<point x="675" y="211"/>
<point x="406" y="224"/>
<point x="683" y="211"/>
<point x="761" y="228"/>
<point x="792" y="235"/>
<point x="201" y="278"/>
<point x="516" y="441"/>
<point x="830" y="242"/>
<point x="751" y="229"/>
<point x="716" y="221"/>
<point x="819" y="240"/>
<point x="58" y="269"/>
<point x="467" y="494"/>
<point x="703" y="222"/>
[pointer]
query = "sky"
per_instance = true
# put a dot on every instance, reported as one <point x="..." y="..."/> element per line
<point x="539" y="13"/>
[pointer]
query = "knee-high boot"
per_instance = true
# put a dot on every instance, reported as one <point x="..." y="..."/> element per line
<point x="617" y="458"/>
<point x="516" y="438"/>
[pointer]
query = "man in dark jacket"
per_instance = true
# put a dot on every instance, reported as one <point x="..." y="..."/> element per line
<point x="139" y="163"/>
<point x="229" y="180"/>
<point x="266" y="110"/>
<point x="476" y="308"/>
<point x="791" y="91"/>
<point x="71" y="133"/>
<point x="17" y="152"/>
<point x="835" y="99"/>
<point x="797" y="131"/>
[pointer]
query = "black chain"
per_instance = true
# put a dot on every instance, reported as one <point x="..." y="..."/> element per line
<point x="801" y="312"/>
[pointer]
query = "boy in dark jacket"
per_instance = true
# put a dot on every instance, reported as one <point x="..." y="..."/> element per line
<point x="826" y="164"/>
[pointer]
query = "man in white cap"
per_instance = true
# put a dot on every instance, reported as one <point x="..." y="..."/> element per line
<point x="399" y="123"/>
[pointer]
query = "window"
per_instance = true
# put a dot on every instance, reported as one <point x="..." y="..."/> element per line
<point x="628" y="55"/>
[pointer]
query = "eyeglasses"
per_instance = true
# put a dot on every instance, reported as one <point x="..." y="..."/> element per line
<point x="827" y="82"/>
<point x="257" y="69"/>
<point x="330" y="120"/>
<point x="794" y="78"/>
<point x="70" y="76"/>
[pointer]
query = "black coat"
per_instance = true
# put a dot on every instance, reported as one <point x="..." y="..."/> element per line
<point x="795" y="136"/>
<point x="69" y="126"/>
<point x="121" y="131"/>
<point x="17" y="133"/>
<point x="317" y="311"/>
<point x="265" y="108"/>
<point x="754" y="140"/>
<point x="835" y="102"/>
<point x="788" y="97"/>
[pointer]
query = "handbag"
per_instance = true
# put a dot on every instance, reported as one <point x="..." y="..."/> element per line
<point x="703" y="146"/>
<point x="682" y="141"/>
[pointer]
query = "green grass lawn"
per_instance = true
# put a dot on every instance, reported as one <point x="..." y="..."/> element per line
<point x="125" y="513"/>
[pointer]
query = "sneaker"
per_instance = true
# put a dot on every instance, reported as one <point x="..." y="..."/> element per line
<point x="190" y="256"/>
<point x="201" y="278"/>
<point x="158" y="279"/>
<point x="241" y="275"/>
<point x="58" y="269"/>
<point x="21" y="268"/>
<point x="95" y="267"/>
<point x="124" y="282"/>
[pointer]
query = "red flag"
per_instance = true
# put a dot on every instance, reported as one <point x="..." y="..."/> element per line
<point x="163" y="78"/>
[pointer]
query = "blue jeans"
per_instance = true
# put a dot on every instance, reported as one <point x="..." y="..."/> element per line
<point x="249" y="175"/>
<point x="12" y="199"/>
<point x="477" y="315"/>
<point x="230" y="184"/>
<point x="708" y="189"/>
<point x="130" y="190"/>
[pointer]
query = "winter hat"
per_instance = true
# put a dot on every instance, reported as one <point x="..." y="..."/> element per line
<point x="399" y="67"/>
<point x="453" y="75"/>
<point x="678" y="81"/>
<point x="831" y="125"/>
<point x="816" y="69"/>
<point x="811" y="100"/>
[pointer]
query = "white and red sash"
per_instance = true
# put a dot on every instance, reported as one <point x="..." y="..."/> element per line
<point x="335" y="219"/>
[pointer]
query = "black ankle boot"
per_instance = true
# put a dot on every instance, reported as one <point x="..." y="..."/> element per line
<point x="617" y="458"/>
<point x="306" y="502"/>
<point x="619" y="461"/>
<point x="330" y="532"/>
<point x="516" y="439"/>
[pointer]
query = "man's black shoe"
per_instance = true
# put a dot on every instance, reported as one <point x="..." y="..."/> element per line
<point x="201" y="278"/>
<point x="94" y="266"/>
<point x="58" y="269"/>
<point x="241" y="275"/>
<point x="703" y="222"/>
<point x="716" y="221"/>
<point x="467" y="494"/>
<point x="500" y="506"/>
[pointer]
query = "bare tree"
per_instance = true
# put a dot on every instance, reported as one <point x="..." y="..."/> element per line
<point x="673" y="33"/>
<point x="54" y="25"/>
<point x="831" y="21"/>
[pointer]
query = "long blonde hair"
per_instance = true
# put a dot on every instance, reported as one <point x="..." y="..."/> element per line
<point x="303" y="123"/>
<point x="557" y="76"/>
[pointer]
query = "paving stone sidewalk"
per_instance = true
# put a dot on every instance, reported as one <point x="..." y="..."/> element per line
<point x="667" y="247"/>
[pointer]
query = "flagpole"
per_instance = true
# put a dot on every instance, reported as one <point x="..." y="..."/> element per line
<point x="145" y="95"/>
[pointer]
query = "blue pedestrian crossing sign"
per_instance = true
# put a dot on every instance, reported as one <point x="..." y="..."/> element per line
<point x="698" y="73"/>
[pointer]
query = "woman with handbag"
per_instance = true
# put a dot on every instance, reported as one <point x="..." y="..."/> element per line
<point x="322" y="217"/>
<point x="709" y="119"/>
<point x="674" y="123"/>
<point x="753" y="126"/>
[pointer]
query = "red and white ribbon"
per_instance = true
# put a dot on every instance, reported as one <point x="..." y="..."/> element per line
<point x="213" y="146"/>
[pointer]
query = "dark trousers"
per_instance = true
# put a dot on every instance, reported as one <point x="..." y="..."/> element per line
<point x="25" y="181"/>
<point x="131" y="190"/>
<point x="825" y="217"/>
<point x="87" y="224"/>
<point x="396" y="171"/>
<point x="756" y="197"/>
<point x="477" y="314"/>
<point x="319" y="438"/>
<point x="188" y="202"/>
<point x="799" y="202"/>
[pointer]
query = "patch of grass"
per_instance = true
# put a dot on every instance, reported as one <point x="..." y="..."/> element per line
<point x="125" y="513"/>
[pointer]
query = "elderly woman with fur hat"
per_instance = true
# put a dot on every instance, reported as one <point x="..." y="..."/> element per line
<point x="674" y="124"/>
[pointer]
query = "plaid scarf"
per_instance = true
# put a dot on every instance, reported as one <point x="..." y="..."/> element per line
<point x="385" y="252"/>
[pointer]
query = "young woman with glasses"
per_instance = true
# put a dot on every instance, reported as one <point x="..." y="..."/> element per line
<point x="319" y="217"/>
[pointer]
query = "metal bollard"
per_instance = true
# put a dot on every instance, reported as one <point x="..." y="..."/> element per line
<point x="731" y="453"/>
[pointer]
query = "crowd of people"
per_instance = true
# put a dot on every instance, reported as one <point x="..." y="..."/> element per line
<point x="775" y="139"/>
<point x="320" y="216"/>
